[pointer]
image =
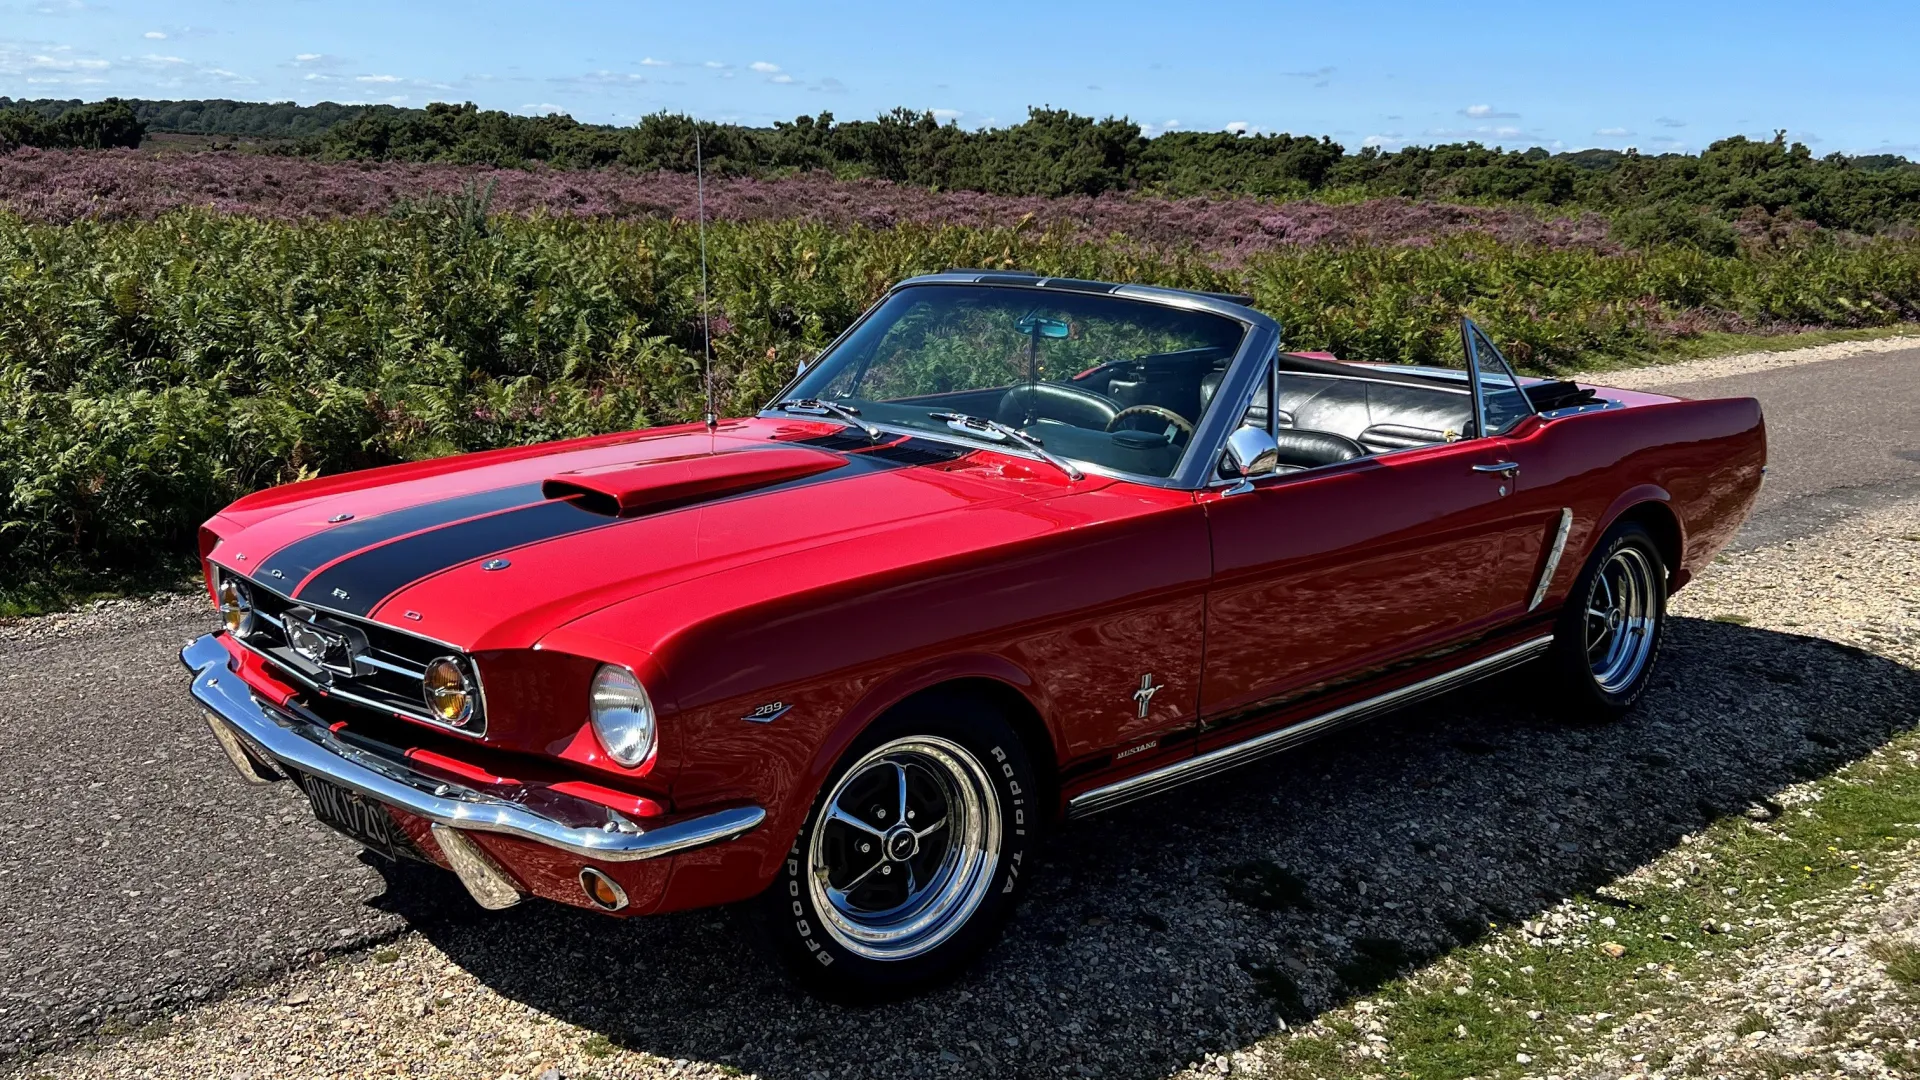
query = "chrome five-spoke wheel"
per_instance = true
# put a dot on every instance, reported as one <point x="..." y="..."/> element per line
<point x="1607" y="638"/>
<point x="1622" y="607"/>
<point x="906" y="848"/>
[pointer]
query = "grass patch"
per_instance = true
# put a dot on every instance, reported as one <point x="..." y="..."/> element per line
<point x="386" y="956"/>
<point x="598" y="1046"/>
<point x="1751" y="1022"/>
<point x="1512" y="993"/>
<point x="1902" y="959"/>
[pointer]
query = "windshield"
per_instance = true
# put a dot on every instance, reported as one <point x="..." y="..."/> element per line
<point x="1098" y="379"/>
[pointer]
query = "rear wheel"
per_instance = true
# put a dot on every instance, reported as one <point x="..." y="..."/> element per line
<point x="1609" y="634"/>
<point x="912" y="858"/>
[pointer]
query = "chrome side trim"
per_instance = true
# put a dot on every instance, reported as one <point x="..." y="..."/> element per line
<point x="1553" y="557"/>
<point x="1240" y="753"/>
<point x="1602" y="405"/>
<point x="537" y="813"/>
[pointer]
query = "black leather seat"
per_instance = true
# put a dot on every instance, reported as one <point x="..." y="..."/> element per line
<point x="1055" y="401"/>
<point x="1380" y="416"/>
<point x="1312" y="449"/>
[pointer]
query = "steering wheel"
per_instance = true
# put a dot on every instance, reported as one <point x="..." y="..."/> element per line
<point x="1155" y="411"/>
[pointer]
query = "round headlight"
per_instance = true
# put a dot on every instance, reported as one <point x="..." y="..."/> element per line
<point x="622" y="715"/>
<point x="448" y="690"/>
<point x="236" y="606"/>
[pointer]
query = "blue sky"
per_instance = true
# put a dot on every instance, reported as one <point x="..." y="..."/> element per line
<point x="1671" y="75"/>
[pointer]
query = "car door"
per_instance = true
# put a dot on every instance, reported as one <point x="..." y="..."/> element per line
<point x="1534" y="512"/>
<point x="1333" y="575"/>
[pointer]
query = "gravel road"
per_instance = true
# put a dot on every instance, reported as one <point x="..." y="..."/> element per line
<point x="139" y="875"/>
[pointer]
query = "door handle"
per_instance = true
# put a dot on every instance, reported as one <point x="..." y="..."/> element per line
<point x="1505" y="468"/>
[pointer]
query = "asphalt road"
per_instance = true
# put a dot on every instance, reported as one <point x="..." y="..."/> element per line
<point x="137" y="873"/>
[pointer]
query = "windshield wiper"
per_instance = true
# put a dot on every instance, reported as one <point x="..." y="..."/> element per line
<point x="816" y="407"/>
<point x="996" y="431"/>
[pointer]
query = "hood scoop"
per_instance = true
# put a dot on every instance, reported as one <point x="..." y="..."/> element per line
<point x="639" y="487"/>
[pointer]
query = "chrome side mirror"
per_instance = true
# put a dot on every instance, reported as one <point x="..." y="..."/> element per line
<point x="1251" y="454"/>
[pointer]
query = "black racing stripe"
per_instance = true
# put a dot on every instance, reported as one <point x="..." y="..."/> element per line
<point x="354" y="586"/>
<point x="288" y="567"/>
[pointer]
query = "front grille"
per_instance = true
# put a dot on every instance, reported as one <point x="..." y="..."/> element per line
<point x="387" y="671"/>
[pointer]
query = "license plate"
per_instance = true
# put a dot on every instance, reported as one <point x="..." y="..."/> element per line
<point x="358" y="817"/>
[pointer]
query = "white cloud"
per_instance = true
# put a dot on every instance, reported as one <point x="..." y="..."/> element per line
<point x="308" y="57"/>
<point x="1670" y="122"/>
<point x="716" y="65"/>
<point x="943" y="115"/>
<point x="648" y="61"/>
<point x="605" y="78"/>
<point x="43" y="65"/>
<point x="1612" y="132"/>
<point x="1383" y="141"/>
<point x="1238" y="127"/>
<point x="226" y="76"/>
<point x="155" y="58"/>
<point x="764" y="68"/>
<point x="155" y="35"/>
<point x="376" y="78"/>
<point x="1488" y="112"/>
<point x="781" y="79"/>
<point x="542" y="109"/>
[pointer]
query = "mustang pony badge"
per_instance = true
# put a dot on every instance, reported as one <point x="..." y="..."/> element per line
<point x="1143" y="697"/>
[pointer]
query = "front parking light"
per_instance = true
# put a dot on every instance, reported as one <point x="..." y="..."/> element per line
<point x="236" y="606"/>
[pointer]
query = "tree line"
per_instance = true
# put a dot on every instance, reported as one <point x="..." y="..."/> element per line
<point x="1691" y="198"/>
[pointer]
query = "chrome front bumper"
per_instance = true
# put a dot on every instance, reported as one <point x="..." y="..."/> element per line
<point x="265" y="741"/>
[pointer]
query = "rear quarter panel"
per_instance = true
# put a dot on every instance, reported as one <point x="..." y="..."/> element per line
<point x="1702" y="460"/>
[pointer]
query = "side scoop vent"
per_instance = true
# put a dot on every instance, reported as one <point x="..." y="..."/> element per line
<point x="634" y="488"/>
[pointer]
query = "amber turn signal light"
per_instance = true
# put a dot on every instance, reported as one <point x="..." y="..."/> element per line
<point x="605" y="893"/>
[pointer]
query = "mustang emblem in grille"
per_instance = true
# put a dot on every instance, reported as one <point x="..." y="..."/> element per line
<point x="328" y="648"/>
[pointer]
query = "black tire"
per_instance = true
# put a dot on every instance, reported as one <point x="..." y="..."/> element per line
<point x="1581" y="675"/>
<point x="957" y="748"/>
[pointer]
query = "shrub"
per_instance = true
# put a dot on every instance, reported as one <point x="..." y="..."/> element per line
<point x="152" y="371"/>
<point x="1672" y="223"/>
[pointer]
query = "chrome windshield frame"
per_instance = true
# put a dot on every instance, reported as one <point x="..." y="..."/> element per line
<point x="1230" y="402"/>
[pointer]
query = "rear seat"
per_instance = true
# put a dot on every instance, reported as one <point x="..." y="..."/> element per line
<point x="1380" y="416"/>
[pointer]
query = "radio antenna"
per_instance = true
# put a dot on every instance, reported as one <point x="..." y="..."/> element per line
<point x="706" y="319"/>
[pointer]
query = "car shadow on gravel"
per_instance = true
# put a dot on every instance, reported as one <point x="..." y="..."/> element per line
<point x="1205" y="919"/>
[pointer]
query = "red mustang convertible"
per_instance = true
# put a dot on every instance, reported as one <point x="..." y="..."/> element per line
<point x="1013" y="549"/>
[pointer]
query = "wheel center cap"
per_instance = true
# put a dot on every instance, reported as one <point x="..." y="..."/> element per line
<point x="901" y="844"/>
<point x="1613" y="619"/>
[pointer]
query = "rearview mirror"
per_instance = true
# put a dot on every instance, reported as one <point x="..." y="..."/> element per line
<point x="1251" y="454"/>
<point x="1046" y="328"/>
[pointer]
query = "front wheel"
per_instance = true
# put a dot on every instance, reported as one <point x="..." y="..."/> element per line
<point x="1608" y="636"/>
<point x="913" y="856"/>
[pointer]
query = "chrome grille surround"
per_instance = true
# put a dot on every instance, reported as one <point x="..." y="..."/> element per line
<point x="388" y="670"/>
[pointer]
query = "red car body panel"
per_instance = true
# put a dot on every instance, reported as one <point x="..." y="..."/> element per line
<point x="769" y="573"/>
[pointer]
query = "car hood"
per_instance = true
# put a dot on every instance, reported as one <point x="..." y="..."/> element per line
<point x="494" y="550"/>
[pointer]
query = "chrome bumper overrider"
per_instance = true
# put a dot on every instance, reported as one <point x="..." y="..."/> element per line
<point x="264" y="741"/>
